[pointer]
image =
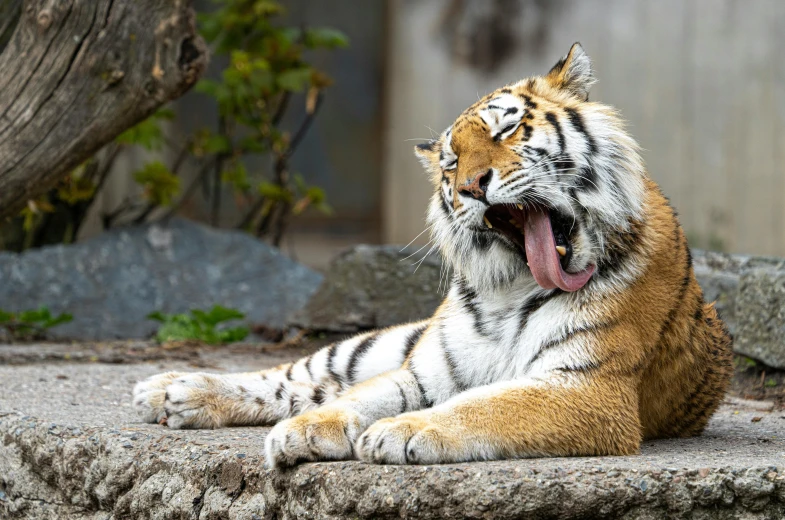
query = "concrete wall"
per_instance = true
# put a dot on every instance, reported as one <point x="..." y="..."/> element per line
<point x="701" y="82"/>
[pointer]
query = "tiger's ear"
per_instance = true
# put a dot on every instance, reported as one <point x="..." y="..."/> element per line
<point x="427" y="152"/>
<point x="573" y="73"/>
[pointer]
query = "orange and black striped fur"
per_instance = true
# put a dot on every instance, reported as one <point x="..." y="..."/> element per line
<point x="573" y="324"/>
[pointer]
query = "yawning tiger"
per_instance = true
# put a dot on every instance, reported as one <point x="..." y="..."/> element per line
<point x="573" y="324"/>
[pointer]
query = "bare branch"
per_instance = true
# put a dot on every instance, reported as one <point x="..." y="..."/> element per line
<point x="188" y="193"/>
<point x="304" y="127"/>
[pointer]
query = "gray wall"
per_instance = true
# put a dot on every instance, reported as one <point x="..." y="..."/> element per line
<point x="701" y="82"/>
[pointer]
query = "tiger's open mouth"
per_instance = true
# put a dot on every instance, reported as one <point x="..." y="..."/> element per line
<point x="542" y="237"/>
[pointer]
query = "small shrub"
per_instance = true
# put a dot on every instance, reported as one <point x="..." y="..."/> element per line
<point x="744" y="363"/>
<point x="31" y="324"/>
<point x="200" y="326"/>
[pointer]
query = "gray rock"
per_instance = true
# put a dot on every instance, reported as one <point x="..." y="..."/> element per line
<point x="111" y="283"/>
<point x="750" y="295"/>
<point x="368" y="287"/>
<point x="374" y="286"/>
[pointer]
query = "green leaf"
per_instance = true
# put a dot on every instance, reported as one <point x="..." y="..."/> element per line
<point x="200" y="316"/>
<point x="160" y="185"/>
<point x="199" y="325"/>
<point x="267" y="8"/>
<point x="233" y="335"/>
<point x="325" y="208"/>
<point x="326" y="38"/>
<point x="289" y="35"/>
<point x="274" y="191"/>
<point x="166" y="114"/>
<point x="25" y="331"/>
<point x="294" y="80"/>
<point x="33" y="316"/>
<point x="209" y="26"/>
<point x="31" y="323"/>
<point x="237" y="176"/>
<point x="260" y="81"/>
<point x="157" y="316"/>
<point x="207" y="86"/>
<point x="148" y="133"/>
<point x="75" y="189"/>
<point x="178" y="327"/>
<point x="57" y="320"/>
<point x="216" y="143"/>
<point x="299" y="183"/>
<point x="220" y="314"/>
<point x="316" y="194"/>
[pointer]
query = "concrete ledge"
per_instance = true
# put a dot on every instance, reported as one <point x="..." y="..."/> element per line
<point x="73" y="448"/>
<point x="54" y="471"/>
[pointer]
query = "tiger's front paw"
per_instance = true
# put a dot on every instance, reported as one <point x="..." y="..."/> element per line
<point x="149" y="396"/>
<point x="411" y="438"/>
<point x="183" y="400"/>
<point x="324" y="434"/>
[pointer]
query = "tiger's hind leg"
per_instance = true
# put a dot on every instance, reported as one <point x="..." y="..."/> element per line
<point x="203" y="400"/>
<point x="711" y="375"/>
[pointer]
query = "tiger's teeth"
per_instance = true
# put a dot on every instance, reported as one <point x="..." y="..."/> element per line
<point x="561" y="250"/>
<point x="487" y="222"/>
<point x="520" y="206"/>
<point x="512" y="221"/>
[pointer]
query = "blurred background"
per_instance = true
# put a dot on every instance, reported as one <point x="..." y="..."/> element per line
<point x="358" y="84"/>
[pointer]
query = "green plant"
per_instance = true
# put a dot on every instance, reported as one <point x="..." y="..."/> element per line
<point x="744" y="363"/>
<point x="200" y="326"/>
<point x="31" y="324"/>
<point x="267" y="68"/>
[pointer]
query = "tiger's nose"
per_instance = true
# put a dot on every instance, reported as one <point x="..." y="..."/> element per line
<point x="477" y="187"/>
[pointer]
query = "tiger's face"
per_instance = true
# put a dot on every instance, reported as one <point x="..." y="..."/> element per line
<point x="531" y="180"/>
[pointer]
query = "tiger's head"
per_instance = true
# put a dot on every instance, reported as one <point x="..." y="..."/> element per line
<point x="533" y="180"/>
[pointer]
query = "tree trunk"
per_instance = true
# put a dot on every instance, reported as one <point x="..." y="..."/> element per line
<point x="77" y="73"/>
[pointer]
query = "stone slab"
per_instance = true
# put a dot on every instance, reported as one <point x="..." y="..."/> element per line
<point x="72" y="447"/>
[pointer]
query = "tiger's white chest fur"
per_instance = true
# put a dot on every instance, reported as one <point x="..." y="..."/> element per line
<point x="499" y="336"/>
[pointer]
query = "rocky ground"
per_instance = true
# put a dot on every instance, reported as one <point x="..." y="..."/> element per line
<point x="73" y="448"/>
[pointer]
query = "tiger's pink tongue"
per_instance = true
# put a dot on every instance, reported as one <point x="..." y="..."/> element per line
<point x="543" y="258"/>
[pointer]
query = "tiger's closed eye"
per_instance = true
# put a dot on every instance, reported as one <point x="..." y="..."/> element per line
<point x="504" y="130"/>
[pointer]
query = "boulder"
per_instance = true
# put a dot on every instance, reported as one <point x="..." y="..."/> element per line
<point x="750" y="296"/>
<point x="374" y="286"/>
<point x="112" y="282"/>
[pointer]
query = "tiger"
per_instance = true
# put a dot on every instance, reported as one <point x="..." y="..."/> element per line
<point x="573" y="324"/>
